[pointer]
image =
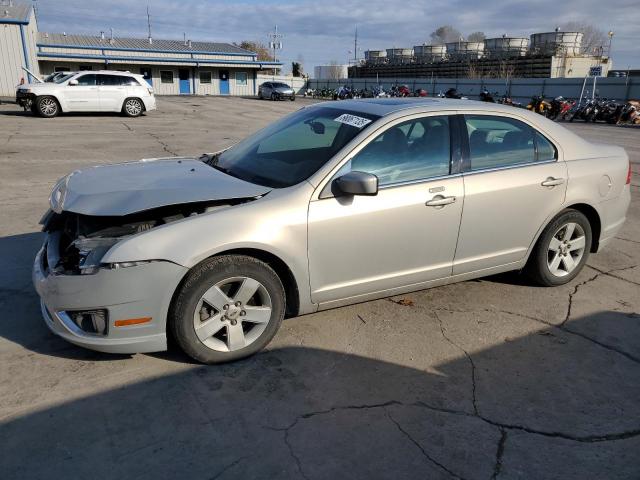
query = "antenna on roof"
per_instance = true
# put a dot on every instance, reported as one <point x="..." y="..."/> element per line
<point x="184" y="37"/>
<point x="149" y="25"/>
<point x="111" y="37"/>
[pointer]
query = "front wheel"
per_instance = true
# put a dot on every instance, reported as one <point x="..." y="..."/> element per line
<point x="133" y="107"/>
<point x="293" y="98"/>
<point x="229" y="307"/>
<point x="561" y="251"/>
<point x="47" y="107"/>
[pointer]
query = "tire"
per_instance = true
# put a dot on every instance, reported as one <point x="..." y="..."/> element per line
<point x="221" y="280"/>
<point x="47" y="107"/>
<point x="274" y="97"/>
<point x="549" y="264"/>
<point x="293" y="98"/>
<point x="132" y="107"/>
<point x="260" y="97"/>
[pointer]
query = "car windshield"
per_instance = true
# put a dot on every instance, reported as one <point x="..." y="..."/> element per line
<point x="294" y="148"/>
<point x="63" y="78"/>
<point x="281" y="85"/>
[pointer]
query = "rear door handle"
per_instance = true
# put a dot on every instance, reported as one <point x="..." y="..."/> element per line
<point x="440" y="201"/>
<point x="552" y="182"/>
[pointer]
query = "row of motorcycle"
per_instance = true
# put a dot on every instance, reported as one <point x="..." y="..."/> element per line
<point x="589" y="110"/>
<point x="559" y="108"/>
<point x="347" y="92"/>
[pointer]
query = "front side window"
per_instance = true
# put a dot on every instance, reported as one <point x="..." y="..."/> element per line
<point x="166" y="76"/>
<point x="413" y="150"/>
<point x="241" y="78"/>
<point x="87" y="80"/>
<point x="205" y="77"/>
<point x="496" y="142"/>
<point x="294" y="148"/>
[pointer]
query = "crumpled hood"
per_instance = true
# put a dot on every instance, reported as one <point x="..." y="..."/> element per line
<point x="125" y="188"/>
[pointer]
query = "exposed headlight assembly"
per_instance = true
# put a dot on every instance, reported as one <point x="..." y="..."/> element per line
<point x="59" y="193"/>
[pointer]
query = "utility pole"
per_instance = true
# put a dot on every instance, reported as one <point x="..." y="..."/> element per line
<point x="149" y="26"/>
<point x="275" y="43"/>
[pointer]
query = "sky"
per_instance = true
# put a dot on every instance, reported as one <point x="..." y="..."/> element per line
<point x="318" y="32"/>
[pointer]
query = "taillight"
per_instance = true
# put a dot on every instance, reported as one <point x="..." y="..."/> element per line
<point x="629" y="175"/>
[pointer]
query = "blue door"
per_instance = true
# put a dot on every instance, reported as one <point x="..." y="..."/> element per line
<point x="224" y="82"/>
<point x="146" y="73"/>
<point x="185" y="84"/>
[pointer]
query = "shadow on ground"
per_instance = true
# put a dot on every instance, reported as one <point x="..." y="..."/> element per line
<point x="550" y="404"/>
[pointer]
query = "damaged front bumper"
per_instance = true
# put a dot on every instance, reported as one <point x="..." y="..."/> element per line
<point x="135" y="300"/>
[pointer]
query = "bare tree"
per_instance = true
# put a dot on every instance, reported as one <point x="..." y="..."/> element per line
<point x="593" y="39"/>
<point x="476" y="37"/>
<point x="445" y="34"/>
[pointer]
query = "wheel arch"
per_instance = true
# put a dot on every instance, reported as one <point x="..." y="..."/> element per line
<point x="288" y="279"/>
<point x="124" y="102"/>
<point x="55" y="97"/>
<point x="588" y="211"/>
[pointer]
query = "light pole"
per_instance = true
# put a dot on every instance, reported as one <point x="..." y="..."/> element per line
<point x="610" y="40"/>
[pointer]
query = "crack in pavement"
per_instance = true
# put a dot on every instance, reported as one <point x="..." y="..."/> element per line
<point x="609" y="273"/>
<point x="128" y="127"/>
<point x="165" y="146"/>
<point x="627" y="240"/>
<point x="575" y="291"/>
<point x="499" y="454"/>
<point x="417" y="444"/>
<point x="503" y="427"/>
<point x="466" y="354"/>
<point x="228" y="467"/>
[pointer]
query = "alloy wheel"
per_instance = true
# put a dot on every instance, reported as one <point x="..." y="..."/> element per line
<point x="133" y="107"/>
<point x="566" y="249"/>
<point x="232" y="314"/>
<point x="48" y="106"/>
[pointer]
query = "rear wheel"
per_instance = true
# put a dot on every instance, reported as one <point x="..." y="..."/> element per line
<point x="133" y="107"/>
<point x="228" y="307"/>
<point x="47" y="107"/>
<point x="562" y="250"/>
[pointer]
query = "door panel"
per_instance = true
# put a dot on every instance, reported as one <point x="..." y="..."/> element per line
<point x="83" y="97"/>
<point x="224" y="82"/>
<point x="111" y="91"/>
<point x="185" y="82"/>
<point x="505" y="199"/>
<point x="503" y="210"/>
<point x="361" y="244"/>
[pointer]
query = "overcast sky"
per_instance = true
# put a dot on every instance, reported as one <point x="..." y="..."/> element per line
<point x="318" y="32"/>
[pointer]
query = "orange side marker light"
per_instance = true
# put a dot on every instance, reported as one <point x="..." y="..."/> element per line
<point x="132" y="321"/>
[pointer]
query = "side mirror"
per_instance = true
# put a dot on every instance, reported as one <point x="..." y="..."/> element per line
<point x="357" y="183"/>
<point x="73" y="82"/>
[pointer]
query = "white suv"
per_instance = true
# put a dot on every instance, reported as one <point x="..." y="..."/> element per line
<point x="89" y="91"/>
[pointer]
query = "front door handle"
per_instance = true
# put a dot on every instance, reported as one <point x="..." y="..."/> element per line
<point x="552" y="182"/>
<point x="440" y="201"/>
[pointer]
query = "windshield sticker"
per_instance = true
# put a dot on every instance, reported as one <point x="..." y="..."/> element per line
<point x="352" y="120"/>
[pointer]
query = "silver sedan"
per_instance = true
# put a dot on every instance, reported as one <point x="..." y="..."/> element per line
<point x="332" y="205"/>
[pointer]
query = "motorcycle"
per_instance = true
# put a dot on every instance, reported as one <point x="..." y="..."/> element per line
<point x="399" y="91"/>
<point x="485" y="96"/>
<point x="420" y="92"/>
<point x="538" y="105"/>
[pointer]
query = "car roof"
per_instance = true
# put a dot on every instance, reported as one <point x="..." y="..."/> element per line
<point x="387" y="106"/>
<point x="108" y="72"/>
<point x="573" y="145"/>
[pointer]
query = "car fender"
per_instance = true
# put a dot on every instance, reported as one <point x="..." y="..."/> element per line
<point x="275" y="223"/>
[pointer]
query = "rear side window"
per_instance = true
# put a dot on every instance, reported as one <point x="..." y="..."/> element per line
<point x="129" y="81"/>
<point x="87" y="80"/>
<point x="544" y="148"/>
<point x="496" y="142"/>
<point x="108" y="80"/>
